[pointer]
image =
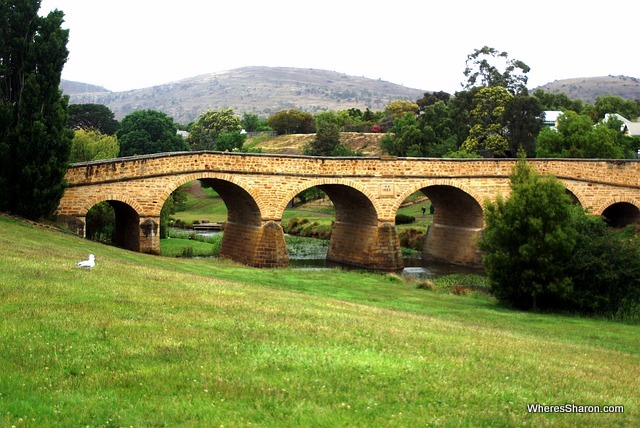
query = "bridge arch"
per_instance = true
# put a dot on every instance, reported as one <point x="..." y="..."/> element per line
<point x="620" y="212"/>
<point x="127" y="227"/>
<point x="90" y="203"/>
<point x="574" y="192"/>
<point x="236" y="187"/>
<point x="358" y="236"/>
<point x="457" y="222"/>
<point x="345" y="183"/>
<point x="247" y="237"/>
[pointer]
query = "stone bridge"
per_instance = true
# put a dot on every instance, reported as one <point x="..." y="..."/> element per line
<point x="366" y="193"/>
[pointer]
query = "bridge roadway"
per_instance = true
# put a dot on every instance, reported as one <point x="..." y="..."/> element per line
<point x="366" y="192"/>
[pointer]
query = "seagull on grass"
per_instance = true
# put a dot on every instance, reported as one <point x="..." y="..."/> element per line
<point x="87" y="264"/>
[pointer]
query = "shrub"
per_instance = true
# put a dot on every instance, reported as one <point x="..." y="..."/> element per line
<point x="541" y="252"/>
<point x="528" y="240"/>
<point x="411" y="238"/>
<point x="605" y="270"/>
<point x="404" y="219"/>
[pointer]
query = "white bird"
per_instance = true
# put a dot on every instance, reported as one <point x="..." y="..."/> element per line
<point x="87" y="263"/>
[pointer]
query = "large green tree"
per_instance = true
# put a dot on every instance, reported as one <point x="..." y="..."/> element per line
<point x="92" y="116"/>
<point x="327" y="135"/>
<point x="613" y="104"/>
<point x="522" y="119"/>
<point x="488" y="135"/>
<point x="34" y="140"/>
<point x="206" y="133"/>
<point x="149" y="131"/>
<point x="292" y="121"/>
<point x="489" y="67"/>
<point x="528" y="240"/>
<point x="577" y="137"/>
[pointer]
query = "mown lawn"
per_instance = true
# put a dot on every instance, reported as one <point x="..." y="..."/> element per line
<point x="145" y="340"/>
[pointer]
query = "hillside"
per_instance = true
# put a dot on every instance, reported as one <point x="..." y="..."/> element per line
<point x="588" y="89"/>
<point x="293" y="144"/>
<point x="69" y="87"/>
<point x="259" y="90"/>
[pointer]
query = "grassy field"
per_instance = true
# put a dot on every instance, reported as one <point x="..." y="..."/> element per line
<point x="145" y="340"/>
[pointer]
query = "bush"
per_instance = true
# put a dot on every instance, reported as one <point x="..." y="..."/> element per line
<point x="541" y="252"/>
<point x="528" y="241"/>
<point x="605" y="270"/>
<point x="404" y="219"/>
<point x="411" y="238"/>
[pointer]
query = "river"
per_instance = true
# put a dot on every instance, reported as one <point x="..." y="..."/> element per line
<point x="310" y="253"/>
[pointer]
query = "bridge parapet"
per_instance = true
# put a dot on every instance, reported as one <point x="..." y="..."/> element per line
<point x="614" y="172"/>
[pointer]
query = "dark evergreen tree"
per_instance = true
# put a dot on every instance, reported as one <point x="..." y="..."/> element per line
<point x="528" y="240"/>
<point x="522" y="117"/>
<point x="326" y="141"/>
<point x="92" y="116"/>
<point x="34" y="139"/>
<point x="149" y="131"/>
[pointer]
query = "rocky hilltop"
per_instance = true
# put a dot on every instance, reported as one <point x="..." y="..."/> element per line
<point x="588" y="89"/>
<point x="259" y="90"/>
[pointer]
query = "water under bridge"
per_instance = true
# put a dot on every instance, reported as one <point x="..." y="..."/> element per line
<point x="366" y="193"/>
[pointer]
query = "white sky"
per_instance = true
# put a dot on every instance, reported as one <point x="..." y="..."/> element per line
<point x="131" y="44"/>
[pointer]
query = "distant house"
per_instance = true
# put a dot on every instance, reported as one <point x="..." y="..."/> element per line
<point x="629" y="128"/>
<point x="551" y="118"/>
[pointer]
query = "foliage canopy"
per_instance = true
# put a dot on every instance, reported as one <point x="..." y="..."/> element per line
<point x="216" y="130"/>
<point x="149" y="131"/>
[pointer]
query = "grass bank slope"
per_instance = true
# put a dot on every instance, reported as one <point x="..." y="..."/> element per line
<point x="152" y="341"/>
<point x="293" y="144"/>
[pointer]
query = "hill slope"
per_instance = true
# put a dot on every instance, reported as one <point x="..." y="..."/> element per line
<point x="588" y="89"/>
<point x="259" y="90"/>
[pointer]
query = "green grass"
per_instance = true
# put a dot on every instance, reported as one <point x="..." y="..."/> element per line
<point x="210" y="208"/>
<point x="145" y="340"/>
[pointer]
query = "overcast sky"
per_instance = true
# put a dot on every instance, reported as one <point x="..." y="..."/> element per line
<point x="131" y="44"/>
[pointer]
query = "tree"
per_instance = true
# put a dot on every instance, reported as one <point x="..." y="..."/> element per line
<point x="92" y="116"/>
<point x="528" y="240"/>
<point x="549" y="143"/>
<point x="438" y="127"/>
<point x="34" y="140"/>
<point x="481" y="70"/>
<point x="292" y="121"/>
<point x="577" y="137"/>
<point x="398" y="108"/>
<point x="210" y="125"/>
<point x="430" y="98"/>
<point x="522" y="118"/>
<point x="601" y="286"/>
<point x="327" y="135"/>
<point x="561" y="101"/>
<point x="149" y="131"/>
<point x="404" y="137"/>
<point x="93" y="145"/>
<point x="253" y="123"/>
<point x="488" y="133"/>
<point x="230" y="141"/>
<point x="613" y="104"/>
